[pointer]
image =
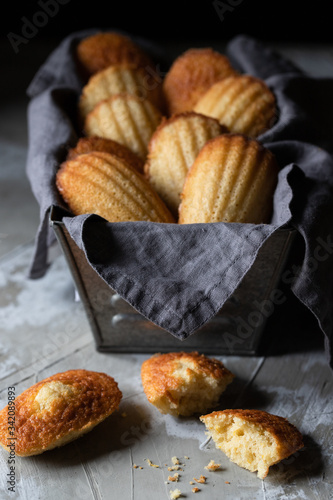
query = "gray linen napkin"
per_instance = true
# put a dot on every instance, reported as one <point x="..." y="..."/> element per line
<point x="180" y="276"/>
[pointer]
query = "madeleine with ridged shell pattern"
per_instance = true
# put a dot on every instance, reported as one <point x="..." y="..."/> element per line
<point x="124" y="118"/>
<point x="233" y="179"/>
<point x="120" y="79"/>
<point x="102" y="184"/>
<point x="242" y="103"/>
<point x="172" y="150"/>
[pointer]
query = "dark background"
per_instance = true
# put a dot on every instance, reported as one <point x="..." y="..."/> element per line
<point x="188" y="22"/>
<point x="269" y="20"/>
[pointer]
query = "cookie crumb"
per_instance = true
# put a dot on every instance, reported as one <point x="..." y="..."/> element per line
<point x="174" y="494"/>
<point x="135" y="466"/>
<point x="187" y="458"/>
<point x="227" y="482"/>
<point x="151" y="463"/>
<point x="195" y="489"/>
<point x="174" y="478"/>
<point x="175" y="461"/>
<point x="175" y="467"/>
<point x="201" y="480"/>
<point x="191" y="482"/>
<point x="212" y="466"/>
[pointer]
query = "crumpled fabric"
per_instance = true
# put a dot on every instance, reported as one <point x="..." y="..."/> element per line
<point x="179" y="276"/>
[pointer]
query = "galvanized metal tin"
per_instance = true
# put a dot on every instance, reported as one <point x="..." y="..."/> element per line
<point x="236" y="329"/>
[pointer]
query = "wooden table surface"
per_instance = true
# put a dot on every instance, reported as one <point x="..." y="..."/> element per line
<point x="45" y="331"/>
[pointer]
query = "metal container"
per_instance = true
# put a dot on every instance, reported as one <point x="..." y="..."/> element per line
<point x="236" y="329"/>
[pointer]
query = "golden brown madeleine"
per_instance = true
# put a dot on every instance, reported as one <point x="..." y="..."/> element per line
<point x="95" y="143"/>
<point x="183" y="383"/>
<point x="233" y="179"/>
<point x="126" y="119"/>
<point x="119" y="79"/>
<point x="102" y="184"/>
<point x="97" y="52"/>
<point x="173" y="148"/>
<point x="243" y="103"/>
<point x="191" y="75"/>
<point x="253" y="439"/>
<point x="58" y="410"/>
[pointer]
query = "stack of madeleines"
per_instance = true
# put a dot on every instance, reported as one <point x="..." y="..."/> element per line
<point x="181" y="148"/>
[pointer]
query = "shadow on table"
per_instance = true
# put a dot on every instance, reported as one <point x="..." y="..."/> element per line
<point x="121" y="430"/>
<point x="305" y="463"/>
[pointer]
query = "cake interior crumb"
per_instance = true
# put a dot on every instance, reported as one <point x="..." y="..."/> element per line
<point x="212" y="466"/>
<point x="174" y="478"/>
<point x="201" y="480"/>
<point x="174" y="494"/>
<point x="151" y="463"/>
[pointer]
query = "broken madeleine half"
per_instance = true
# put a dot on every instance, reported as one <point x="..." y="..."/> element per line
<point x="242" y="103"/>
<point x="124" y="118"/>
<point x="183" y="384"/>
<point x="232" y="179"/>
<point x="172" y="150"/>
<point x="101" y="183"/>
<point x="191" y="75"/>
<point x="58" y="410"/>
<point x="253" y="439"/>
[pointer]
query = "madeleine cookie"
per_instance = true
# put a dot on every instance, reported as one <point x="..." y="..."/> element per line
<point x="102" y="184"/>
<point x="253" y="439"/>
<point x="182" y="383"/>
<point x="233" y="179"/>
<point x="173" y="148"/>
<point x="58" y="410"/>
<point x="95" y="143"/>
<point x="126" y="119"/>
<point x="97" y="52"/>
<point x="191" y="75"/>
<point x="119" y="79"/>
<point x="243" y="103"/>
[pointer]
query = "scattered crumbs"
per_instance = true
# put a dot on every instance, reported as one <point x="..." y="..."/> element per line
<point x="175" y="467"/>
<point x="187" y="458"/>
<point x="140" y="467"/>
<point x="175" y="494"/>
<point x="174" y="478"/>
<point x="195" y="489"/>
<point x="212" y="466"/>
<point x="201" y="480"/>
<point x="135" y="466"/>
<point x="124" y="414"/>
<point x="151" y="463"/>
<point x="191" y="482"/>
<point x="175" y="461"/>
<point x="227" y="482"/>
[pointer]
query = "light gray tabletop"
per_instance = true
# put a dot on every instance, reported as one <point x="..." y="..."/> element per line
<point x="45" y="331"/>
